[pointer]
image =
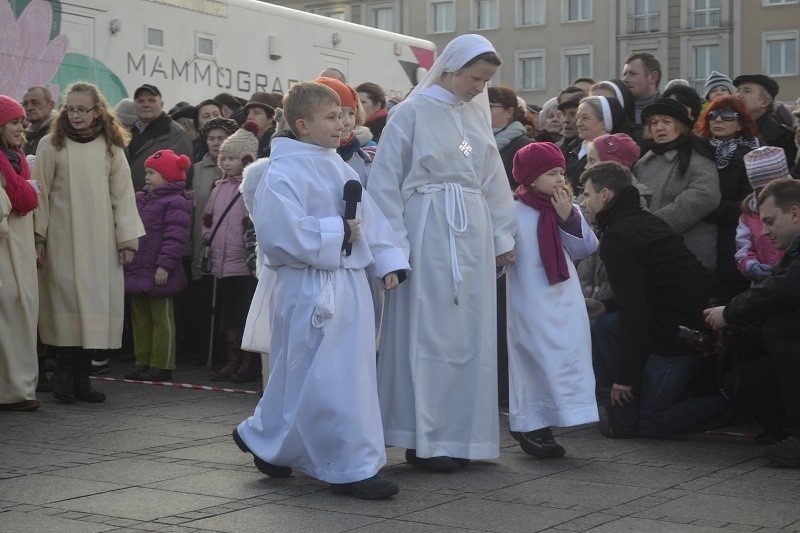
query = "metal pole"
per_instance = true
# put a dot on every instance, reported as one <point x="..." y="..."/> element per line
<point x="210" y="362"/>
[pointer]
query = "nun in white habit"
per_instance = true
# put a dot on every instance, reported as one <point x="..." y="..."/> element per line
<point x="439" y="179"/>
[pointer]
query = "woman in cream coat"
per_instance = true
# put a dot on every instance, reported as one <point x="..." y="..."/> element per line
<point x="90" y="228"/>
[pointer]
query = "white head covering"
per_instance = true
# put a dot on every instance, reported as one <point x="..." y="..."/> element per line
<point x="546" y="108"/>
<point x="454" y="56"/>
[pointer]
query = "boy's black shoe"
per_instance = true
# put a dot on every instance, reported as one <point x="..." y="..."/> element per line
<point x="539" y="443"/>
<point x="374" y="488"/>
<point x="785" y="452"/>
<point x="441" y="463"/>
<point x="264" y="467"/>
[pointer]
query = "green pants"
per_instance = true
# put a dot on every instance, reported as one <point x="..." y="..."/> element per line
<point x="153" y="321"/>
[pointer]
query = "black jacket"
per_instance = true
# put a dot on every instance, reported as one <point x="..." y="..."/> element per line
<point x="574" y="165"/>
<point x="658" y="283"/>
<point x="734" y="187"/>
<point x="778" y="293"/>
<point x="776" y="134"/>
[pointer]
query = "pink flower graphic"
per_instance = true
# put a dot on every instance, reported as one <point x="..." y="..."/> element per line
<point x="27" y="57"/>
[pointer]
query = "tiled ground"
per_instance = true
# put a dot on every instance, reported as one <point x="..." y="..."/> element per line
<point x="161" y="459"/>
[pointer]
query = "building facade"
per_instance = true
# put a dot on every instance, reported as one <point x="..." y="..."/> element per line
<point x="545" y="44"/>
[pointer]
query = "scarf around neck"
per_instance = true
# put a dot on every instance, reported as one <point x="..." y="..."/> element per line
<point x="85" y="135"/>
<point x="550" y="248"/>
<point x="15" y="170"/>
<point x="724" y="149"/>
<point x="504" y="136"/>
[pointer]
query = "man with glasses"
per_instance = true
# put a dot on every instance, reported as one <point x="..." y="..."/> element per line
<point x="571" y="145"/>
<point x="39" y="112"/>
<point x="758" y="92"/>
<point x="153" y="130"/>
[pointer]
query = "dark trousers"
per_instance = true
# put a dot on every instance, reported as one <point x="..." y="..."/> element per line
<point x="781" y="335"/>
<point x="664" y="411"/>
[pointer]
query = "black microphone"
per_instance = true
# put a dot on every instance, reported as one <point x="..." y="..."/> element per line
<point x="351" y="197"/>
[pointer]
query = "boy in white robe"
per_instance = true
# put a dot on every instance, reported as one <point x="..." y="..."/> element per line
<point x="319" y="413"/>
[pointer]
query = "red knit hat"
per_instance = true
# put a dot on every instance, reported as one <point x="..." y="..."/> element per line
<point x="534" y="159"/>
<point x="170" y="165"/>
<point x="347" y="95"/>
<point x="617" y="147"/>
<point x="9" y="110"/>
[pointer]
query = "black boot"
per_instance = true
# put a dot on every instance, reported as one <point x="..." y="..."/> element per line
<point x="82" y="385"/>
<point x="62" y="379"/>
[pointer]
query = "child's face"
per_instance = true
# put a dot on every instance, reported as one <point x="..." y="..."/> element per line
<point x="551" y="180"/>
<point x="11" y="133"/>
<point x="324" y="127"/>
<point x="153" y="178"/>
<point x="348" y="119"/>
<point x="230" y="164"/>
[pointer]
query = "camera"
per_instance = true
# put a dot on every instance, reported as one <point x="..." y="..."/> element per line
<point x="705" y="341"/>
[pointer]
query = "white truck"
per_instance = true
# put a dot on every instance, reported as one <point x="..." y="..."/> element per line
<point x="194" y="49"/>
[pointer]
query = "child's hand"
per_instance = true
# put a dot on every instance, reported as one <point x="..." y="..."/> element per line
<point x="390" y="281"/>
<point x="126" y="256"/>
<point x="562" y="202"/>
<point x="161" y="277"/>
<point x="355" y="230"/>
<point x="505" y="259"/>
<point x="595" y="308"/>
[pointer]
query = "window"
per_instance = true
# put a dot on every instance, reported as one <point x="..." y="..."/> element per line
<point x="706" y="59"/>
<point x="530" y="70"/>
<point x="780" y="53"/>
<point x="779" y="2"/>
<point x="706" y="14"/>
<point x="205" y="46"/>
<point x="383" y="18"/>
<point x="646" y="16"/>
<point x="336" y="14"/>
<point x="577" y="10"/>
<point x="442" y="17"/>
<point x="531" y="13"/>
<point x="576" y="62"/>
<point x="155" y="37"/>
<point x="487" y="14"/>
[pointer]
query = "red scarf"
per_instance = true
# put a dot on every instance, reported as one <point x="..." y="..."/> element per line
<point x="550" y="248"/>
<point x="23" y="197"/>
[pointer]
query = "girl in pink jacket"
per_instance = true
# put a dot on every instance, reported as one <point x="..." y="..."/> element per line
<point x="756" y="256"/>
<point x="224" y="223"/>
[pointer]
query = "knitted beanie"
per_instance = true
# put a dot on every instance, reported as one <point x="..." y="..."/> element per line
<point x="243" y="142"/>
<point x="534" y="159"/>
<point x="764" y="165"/>
<point x="125" y="113"/>
<point x="170" y="165"/>
<point x="347" y="95"/>
<point x="10" y="109"/>
<point x="618" y="147"/>
<point x="716" y="79"/>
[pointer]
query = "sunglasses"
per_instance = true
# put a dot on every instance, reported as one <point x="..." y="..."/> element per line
<point x="728" y="115"/>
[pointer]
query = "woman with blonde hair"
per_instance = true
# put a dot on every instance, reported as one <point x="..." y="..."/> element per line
<point x="89" y="229"/>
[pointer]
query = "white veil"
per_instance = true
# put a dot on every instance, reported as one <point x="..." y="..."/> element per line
<point x="454" y="56"/>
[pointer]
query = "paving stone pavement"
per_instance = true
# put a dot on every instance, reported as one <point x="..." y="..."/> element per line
<point x="155" y="458"/>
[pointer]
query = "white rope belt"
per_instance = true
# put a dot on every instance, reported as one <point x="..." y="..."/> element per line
<point x="455" y="211"/>
<point x="324" y="305"/>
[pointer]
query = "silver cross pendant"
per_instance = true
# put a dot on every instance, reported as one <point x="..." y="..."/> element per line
<point x="465" y="148"/>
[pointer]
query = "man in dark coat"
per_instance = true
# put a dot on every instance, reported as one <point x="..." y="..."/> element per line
<point x="776" y="305"/>
<point x="658" y="286"/>
<point x="153" y="130"/>
<point x="571" y="144"/>
<point x="758" y="93"/>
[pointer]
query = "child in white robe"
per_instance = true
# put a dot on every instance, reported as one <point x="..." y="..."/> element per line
<point x="549" y="343"/>
<point x="319" y="413"/>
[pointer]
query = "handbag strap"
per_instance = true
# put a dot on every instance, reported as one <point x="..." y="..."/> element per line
<point x="219" y="221"/>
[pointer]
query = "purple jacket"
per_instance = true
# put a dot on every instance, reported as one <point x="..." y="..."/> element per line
<point x="228" y="254"/>
<point x="166" y="213"/>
